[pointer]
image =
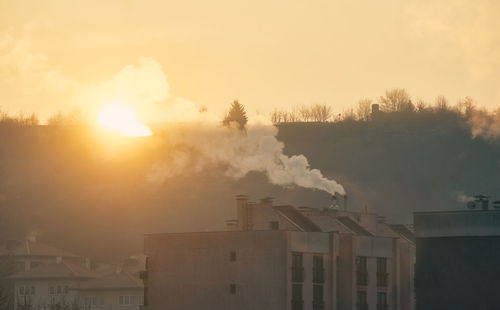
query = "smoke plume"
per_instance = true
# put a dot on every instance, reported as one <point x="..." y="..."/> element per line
<point x="241" y="152"/>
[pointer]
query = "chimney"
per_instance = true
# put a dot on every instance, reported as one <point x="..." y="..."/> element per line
<point x="242" y="211"/>
<point x="266" y="201"/>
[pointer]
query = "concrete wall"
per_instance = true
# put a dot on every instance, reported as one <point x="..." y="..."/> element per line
<point x="459" y="273"/>
<point x="193" y="271"/>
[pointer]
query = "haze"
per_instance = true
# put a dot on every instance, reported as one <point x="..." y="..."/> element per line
<point x="267" y="54"/>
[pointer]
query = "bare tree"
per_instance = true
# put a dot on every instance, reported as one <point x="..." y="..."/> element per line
<point x="467" y="106"/>
<point x="321" y="113"/>
<point x="363" y="111"/>
<point x="441" y="103"/>
<point x="396" y="100"/>
<point x="305" y="113"/>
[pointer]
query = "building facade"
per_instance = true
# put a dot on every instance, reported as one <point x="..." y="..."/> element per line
<point x="280" y="257"/>
<point x="458" y="256"/>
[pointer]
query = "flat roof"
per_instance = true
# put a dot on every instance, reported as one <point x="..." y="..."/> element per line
<point x="457" y="223"/>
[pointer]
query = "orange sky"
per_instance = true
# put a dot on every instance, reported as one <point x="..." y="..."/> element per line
<point x="265" y="53"/>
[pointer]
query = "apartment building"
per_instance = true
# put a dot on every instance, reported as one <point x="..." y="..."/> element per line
<point x="281" y="257"/>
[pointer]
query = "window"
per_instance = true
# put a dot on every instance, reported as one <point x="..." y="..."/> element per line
<point x="361" y="270"/>
<point x="382" y="301"/>
<point x="274" y="225"/>
<point x="26" y="290"/>
<point x="297" y="302"/>
<point x="318" y="302"/>
<point x="125" y="300"/>
<point x="318" y="270"/>
<point x="232" y="288"/>
<point x="297" y="268"/>
<point x="59" y="290"/>
<point x="52" y="290"/>
<point x="34" y="264"/>
<point x="361" y="302"/>
<point x="232" y="256"/>
<point x="382" y="275"/>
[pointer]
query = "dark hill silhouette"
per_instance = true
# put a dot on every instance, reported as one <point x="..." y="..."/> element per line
<point x="79" y="193"/>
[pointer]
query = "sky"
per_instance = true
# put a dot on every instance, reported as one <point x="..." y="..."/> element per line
<point x="61" y="55"/>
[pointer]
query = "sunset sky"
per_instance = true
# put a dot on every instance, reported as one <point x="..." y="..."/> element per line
<point x="267" y="54"/>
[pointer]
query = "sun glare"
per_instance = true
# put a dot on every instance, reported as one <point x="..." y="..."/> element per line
<point x="121" y="119"/>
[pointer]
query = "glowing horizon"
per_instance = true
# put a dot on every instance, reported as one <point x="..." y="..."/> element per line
<point x="121" y="119"/>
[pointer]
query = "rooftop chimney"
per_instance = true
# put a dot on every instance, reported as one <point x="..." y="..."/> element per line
<point x="375" y="109"/>
<point x="242" y="211"/>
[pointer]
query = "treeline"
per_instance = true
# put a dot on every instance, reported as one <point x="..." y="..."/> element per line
<point x="394" y="101"/>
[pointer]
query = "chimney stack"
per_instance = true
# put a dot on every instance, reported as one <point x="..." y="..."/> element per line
<point x="375" y="109"/>
<point x="242" y="211"/>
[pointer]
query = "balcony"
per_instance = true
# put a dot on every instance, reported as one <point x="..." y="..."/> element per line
<point x="318" y="275"/>
<point x="361" y="306"/>
<point x="362" y="278"/>
<point x="297" y="304"/>
<point x="297" y="274"/>
<point x="382" y="279"/>
<point x="318" y="305"/>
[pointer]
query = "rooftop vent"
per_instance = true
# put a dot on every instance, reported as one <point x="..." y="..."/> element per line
<point x="480" y="202"/>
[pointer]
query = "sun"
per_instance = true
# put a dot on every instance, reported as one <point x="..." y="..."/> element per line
<point x="121" y="119"/>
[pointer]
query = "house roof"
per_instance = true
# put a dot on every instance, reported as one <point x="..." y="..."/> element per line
<point x="113" y="281"/>
<point x="297" y="218"/>
<point x="32" y="248"/>
<point x="62" y="270"/>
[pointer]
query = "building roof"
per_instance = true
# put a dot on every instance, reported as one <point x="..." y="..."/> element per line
<point x="353" y="226"/>
<point x="114" y="281"/>
<point x="297" y="218"/>
<point x="31" y="248"/>
<point x="404" y="231"/>
<point x="62" y="270"/>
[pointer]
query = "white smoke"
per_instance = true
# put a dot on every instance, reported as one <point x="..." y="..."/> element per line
<point x="462" y="197"/>
<point x="485" y="124"/>
<point x="257" y="149"/>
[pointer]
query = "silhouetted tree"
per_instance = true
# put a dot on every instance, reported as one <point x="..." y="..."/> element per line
<point x="236" y="115"/>
<point x="321" y="113"/>
<point x="396" y="100"/>
<point x="363" y="112"/>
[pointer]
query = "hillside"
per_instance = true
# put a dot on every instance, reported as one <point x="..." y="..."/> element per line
<point x="80" y="192"/>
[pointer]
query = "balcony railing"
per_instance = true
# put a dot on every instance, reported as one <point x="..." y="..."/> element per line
<point x="297" y="274"/>
<point x="382" y="307"/>
<point x="318" y="305"/>
<point x="361" y="306"/>
<point x="382" y="279"/>
<point x="297" y="304"/>
<point x="318" y="275"/>
<point x="361" y="278"/>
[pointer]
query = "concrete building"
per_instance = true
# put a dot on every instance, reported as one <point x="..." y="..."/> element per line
<point x="115" y="291"/>
<point x="458" y="255"/>
<point x="29" y="253"/>
<point x="280" y="257"/>
<point x="49" y="285"/>
<point x="64" y="285"/>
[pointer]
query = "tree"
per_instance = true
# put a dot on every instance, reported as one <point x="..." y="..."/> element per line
<point x="396" y="100"/>
<point x="236" y="115"/>
<point x="321" y="113"/>
<point x="364" y="112"/>
<point x="441" y="103"/>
